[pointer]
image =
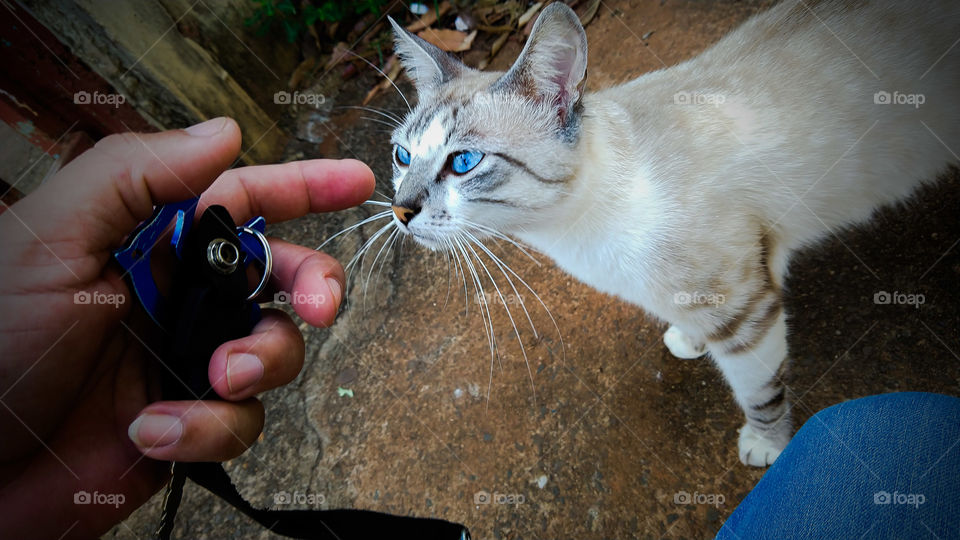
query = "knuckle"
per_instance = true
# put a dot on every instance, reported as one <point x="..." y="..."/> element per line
<point x="116" y="143"/>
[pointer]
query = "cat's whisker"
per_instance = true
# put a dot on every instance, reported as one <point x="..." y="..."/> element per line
<point x="375" y="259"/>
<point x="378" y="203"/>
<point x="488" y="329"/>
<point x="497" y="234"/>
<point x="481" y="296"/>
<point x="380" y="71"/>
<point x="393" y="241"/>
<point x="465" y="243"/>
<point x="563" y="349"/>
<point x="361" y="223"/>
<point x="363" y="260"/>
<point x="506" y="307"/>
<point x="462" y="274"/>
<point x="366" y="246"/>
<point x="381" y="112"/>
<point x="500" y="264"/>
<point x="377" y="120"/>
<point x="446" y="257"/>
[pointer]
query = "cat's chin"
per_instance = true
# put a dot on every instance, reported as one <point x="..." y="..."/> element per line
<point x="430" y="242"/>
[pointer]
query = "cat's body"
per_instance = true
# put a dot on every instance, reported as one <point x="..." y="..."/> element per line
<point x="686" y="190"/>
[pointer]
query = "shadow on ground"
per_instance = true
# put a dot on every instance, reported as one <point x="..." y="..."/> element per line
<point x="612" y="427"/>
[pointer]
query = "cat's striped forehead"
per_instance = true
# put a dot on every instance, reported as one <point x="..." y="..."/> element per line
<point x="430" y="128"/>
<point x="438" y="116"/>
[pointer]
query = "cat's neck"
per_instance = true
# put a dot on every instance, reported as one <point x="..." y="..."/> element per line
<point x="610" y="193"/>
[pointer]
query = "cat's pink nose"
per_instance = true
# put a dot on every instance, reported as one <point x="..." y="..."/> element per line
<point x="403" y="214"/>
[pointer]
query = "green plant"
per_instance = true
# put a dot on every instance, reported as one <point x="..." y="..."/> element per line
<point x="294" y="18"/>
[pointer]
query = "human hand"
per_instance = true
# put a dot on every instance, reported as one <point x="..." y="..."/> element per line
<point x="77" y="380"/>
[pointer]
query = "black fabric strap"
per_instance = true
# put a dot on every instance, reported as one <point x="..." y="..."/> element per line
<point x="323" y="524"/>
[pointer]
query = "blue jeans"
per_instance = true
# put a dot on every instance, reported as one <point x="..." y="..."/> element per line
<point x="884" y="466"/>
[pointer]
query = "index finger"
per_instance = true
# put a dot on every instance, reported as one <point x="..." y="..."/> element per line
<point x="290" y="190"/>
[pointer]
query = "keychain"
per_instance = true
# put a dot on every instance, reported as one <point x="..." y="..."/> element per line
<point x="208" y="304"/>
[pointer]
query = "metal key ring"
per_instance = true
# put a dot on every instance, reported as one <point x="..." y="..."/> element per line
<point x="267" y="265"/>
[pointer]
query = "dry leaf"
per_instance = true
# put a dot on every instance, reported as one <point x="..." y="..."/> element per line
<point x="467" y="43"/>
<point x="527" y="15"/>
<point x="298" y="74"/>
<point x="372" y="32"/>
<point x="498" y="44"/>
<point x="491" y="14"/>
<point x="429" y="17"/>
<point x="390" y="64"/>
<point x="449" y="40"/>
<point x="496" y="29"/>
<point x="340" y="53"/>
<point x="392" y="71"/>
<point x="590" y="12"/>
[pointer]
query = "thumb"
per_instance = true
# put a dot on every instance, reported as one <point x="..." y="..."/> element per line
<point x="104" y="193"/>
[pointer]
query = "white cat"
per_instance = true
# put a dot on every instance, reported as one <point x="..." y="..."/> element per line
<point x="686" y="190"/>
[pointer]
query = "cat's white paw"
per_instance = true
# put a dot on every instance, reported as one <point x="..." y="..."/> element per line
<point x="757" y="450"/>
<point x="681" y="346"/>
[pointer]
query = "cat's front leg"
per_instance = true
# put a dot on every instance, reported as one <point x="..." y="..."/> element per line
<point x="753" y="361"/>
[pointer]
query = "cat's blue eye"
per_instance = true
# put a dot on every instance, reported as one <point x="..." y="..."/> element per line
<point x="403" y="155"/>
<point x="463" y="162"/>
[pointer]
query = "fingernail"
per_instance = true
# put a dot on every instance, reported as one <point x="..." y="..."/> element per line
<point x="155" y="430"/>
<point x="243" y="371"/>
<point x="209" y="128"/>
<point x="335" y="289"/>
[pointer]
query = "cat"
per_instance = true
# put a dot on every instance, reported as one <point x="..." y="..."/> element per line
<point x="686" y="190"/>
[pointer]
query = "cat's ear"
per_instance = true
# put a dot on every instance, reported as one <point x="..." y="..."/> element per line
<point x="426" y="64"/>
<point x="552" y="67"/>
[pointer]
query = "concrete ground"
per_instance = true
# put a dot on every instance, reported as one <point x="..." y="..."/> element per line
<point x="612" y="427"/>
